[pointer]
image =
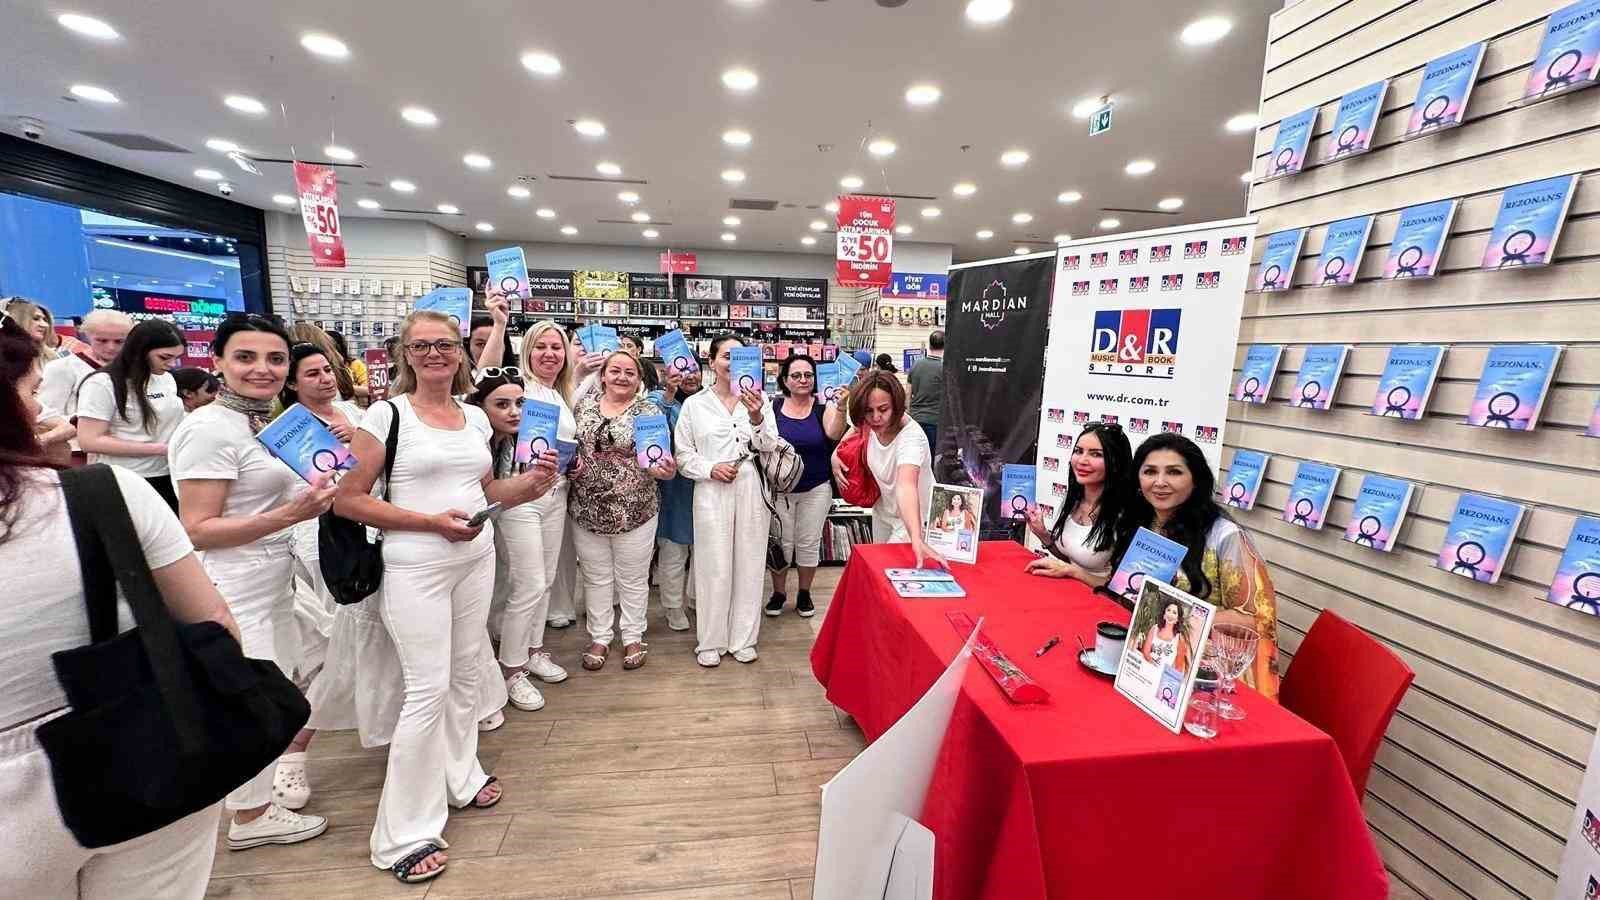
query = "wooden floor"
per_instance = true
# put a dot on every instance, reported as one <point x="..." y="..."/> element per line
<point x="669" y="782"/>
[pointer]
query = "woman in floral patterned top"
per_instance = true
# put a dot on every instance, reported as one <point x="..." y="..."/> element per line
<point x="1222" y="566"/>
<point x="614" y="503"/>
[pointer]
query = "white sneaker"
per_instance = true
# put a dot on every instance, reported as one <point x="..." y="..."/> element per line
<point x="677" y="619"/>
<point x="558" y="622"/>
<point x="492" y="721"/>
<point x="523" y="694"/>
<point x="290" y="788"/>
<point x="275" y="826"/>
<point x="708" y="658"/>
<point x="541" y="666"/>
<point x="747" y="655"/>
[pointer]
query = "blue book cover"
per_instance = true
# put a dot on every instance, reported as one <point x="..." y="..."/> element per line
<point x="1319" y="376"/>
<point x="1419" y="239"/>
<point x="1149" y="556"/>
<point x="1594" y="422"/>
<point x="1016" y="490"/>
<point x="1529" y="224"/>
<point x="1311" y="494"/>
<point x="1245" y="474"/>
<point x="508" y="270"/>
<point x="1447" y="83"/>
<point x="849" y="367"/>
<point x="1577" y="581"/>
<point x="745" y="369"/>
<point x="652" y="440"/>
<point x="1407" y="381"/>
<point x="918" y="575"/>
<point x="1356" y="120"/>
<point x="828" y="382"/>
<point x="1342" y="249"/>
<point x="453" y="302"/>
<point x="536" y="433"/>
<point x="1258" y="372"/>
<point x="565" y="451"/>
<point x="1568" y="53"/>
<point x="599" y="339"/>
<point x="1516" y="379"/>
<point x="1279" y="256"/>
<point x="1289" y="147"/>
<point x="941" y="588"/>
<point x="1380" y="510"/>
<point x="674" y="350"/>
<point x="306" y="445"/>
<point x="1478" y="539"/>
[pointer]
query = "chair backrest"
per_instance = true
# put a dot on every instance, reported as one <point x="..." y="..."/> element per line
<point x="1349" y="685"/>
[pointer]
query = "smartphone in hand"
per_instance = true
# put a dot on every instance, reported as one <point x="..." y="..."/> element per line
<point x="482" y="515"/>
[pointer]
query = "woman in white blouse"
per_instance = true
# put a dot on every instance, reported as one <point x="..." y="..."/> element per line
<point x="900" y="461"/>
<point x="128" y="410"/>
<point x="1100" y="482"/>
<point x="717" y="432"/>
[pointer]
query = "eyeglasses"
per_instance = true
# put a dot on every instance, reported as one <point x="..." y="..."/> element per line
<point x="803" y="376"/>
<point x="444" y="346"/>
<point x="509" y="373"/>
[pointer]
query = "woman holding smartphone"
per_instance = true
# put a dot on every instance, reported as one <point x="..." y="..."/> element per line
<point x="1100" y="487"/>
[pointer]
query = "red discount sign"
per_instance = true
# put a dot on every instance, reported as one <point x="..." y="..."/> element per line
<point x="319" y="207"/>
<point x="679" y="263"/>
<point x="866" y="241"/>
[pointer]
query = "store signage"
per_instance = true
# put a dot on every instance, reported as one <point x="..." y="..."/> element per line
<point x="596" y="285"/>
<point x="197" y="348"/>
<point x="1100" y="120"/>
<point x="648" y="286"/>
<point x="803" y="291"/>
<point x="319" y="208"/>
<point x="549" y="283"/>
<point x="917" y="286"/>
<point x="679" y="263"/>
<point x="865" y="245"/>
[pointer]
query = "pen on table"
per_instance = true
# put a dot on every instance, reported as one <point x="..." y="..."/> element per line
<point x="1054" y="640"/>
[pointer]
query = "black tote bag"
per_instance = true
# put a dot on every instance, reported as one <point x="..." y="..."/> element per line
<point x="352" y="566"/>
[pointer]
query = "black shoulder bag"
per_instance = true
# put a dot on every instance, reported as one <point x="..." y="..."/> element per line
<point x="351" y="565"/>
<point x="166" y="719"/>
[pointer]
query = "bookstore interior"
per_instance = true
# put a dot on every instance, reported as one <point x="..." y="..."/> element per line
<point x="1247" y="438"/>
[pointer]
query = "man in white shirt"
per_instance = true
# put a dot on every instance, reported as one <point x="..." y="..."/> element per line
<point x="104" y="330"/>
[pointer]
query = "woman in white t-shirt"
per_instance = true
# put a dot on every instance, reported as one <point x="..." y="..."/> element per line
<point x="900" y="461"/>
<point x="1100" y="485"/>
<point x="437" y="579"/>
<point x="128" y="410"/>
<point x="44" y="614"/>
<point x="240" y="506"/>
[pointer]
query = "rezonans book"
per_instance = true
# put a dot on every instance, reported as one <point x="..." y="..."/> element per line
<point x="1511" y="392"/>
<point x="652" y="440"/>
<point x="1446" y="87"/>
<point x="1356" y="120"/>
<point x="1016" y="490"/>
<point x="1342" y="247"/>
<point x="1569" y="52"/>
<point x="1311" y="494"/>
<point x="536" y="433"/>
<point x="1279" y="255"/>
<point x="1245" y="473"/>
<point x="1419" y="239"/>
<point x="1478" y="539"/>
<point x="1407" y="381"/>
<point x="305" y="445"/>
<point x="1380" y="510"/>
<point x="1256" y="375"/>
<point x="1577" y="581"/>
<point x="1289" y="146"/>
<point x="1529" y="223"/>
<point x="1149" y="556"/>
<point x="1320" y="371"/>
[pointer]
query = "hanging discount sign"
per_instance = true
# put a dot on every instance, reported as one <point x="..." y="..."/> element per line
<point x="319" y="207"/>
<point x="866" y="241"/>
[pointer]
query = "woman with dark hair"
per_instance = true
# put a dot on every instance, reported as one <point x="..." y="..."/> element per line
<point x="813" y="428"/>
<point x="307" y="333"/>
<point x="196" y="387"/>
<point x="128" y="410"/>
<point x="900" y="461"/>
<point x="240" y="506"/>
<point x="1100" y="486"/>
<point x="44" y="615"/>
<point x="1166" y="643"/>
<point x="885" y="363"/>
<point x="1222" y="566"/>
<point x="356" y="366"/>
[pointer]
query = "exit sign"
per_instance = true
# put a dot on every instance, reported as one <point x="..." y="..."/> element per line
<point x="1100" y="120"/>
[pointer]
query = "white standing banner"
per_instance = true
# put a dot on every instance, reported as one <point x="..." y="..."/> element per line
<point x="1580" y="863"/>
<point x="1143" y="331"/>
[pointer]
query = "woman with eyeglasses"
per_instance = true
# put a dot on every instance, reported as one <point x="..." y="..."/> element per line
<point x="1099" y="489"/>
<point x="128" y="410"/>
<point x="437" y="581"/>
<point x="1174" y="499"/>
<point x="240" y="506"/>
<point x="614" y="505"/>
<point x="718" y="434"/>
<point x="814" y="429"/>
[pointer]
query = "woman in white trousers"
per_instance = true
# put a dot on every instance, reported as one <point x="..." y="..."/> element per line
<point x="566" y="588"/>
<point x="812" y="427"/>
<point x="437" y="580"/>
<point x="716" y="434"/>
<point x="239" y="505"/>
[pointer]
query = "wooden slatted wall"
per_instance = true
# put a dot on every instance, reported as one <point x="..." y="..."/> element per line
<point x="295" y="260"/>
<point x="1475" y="782"/>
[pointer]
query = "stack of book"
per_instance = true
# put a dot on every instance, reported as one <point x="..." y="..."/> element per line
<point x="935" y="583"/>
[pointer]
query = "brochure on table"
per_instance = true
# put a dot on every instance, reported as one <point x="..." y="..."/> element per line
<point x="1529" y="223"/>
<point x="1512" y="389"/>
<point x="1166" y="641"/>
<point x="1577" y="582"/>
<point x="1279" y="256"/>
<point x="1289" y="147"/>
<point x="1569" y="52"/>
<point x="1017" y="490"/>
<point x="453" y="302"/>
<point x="652" y="440"/>
<point x="1320" y="371"/>
<point x="1355" y="121"/>
<point x="1380" y="509"/>
<point x="1407" y="381"/>
<point x="1419" y="240"/>
<point x="508" y="271"/>
<point x="1259" y="371"/>
<point x="305" y="445"/>
<point x="1446" y="87"/>
<point x="1149" y="556"/>
<point x="1478" y="539"/>
<point x="1245" y="473"/>
<point x="1342" y="247"/>
<point x="953" y="518"/>
<point x="1310" y="495"/>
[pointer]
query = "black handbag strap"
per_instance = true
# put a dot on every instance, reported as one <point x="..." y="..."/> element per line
<point x="100" y="522"/>
<point x="390" y="445"/>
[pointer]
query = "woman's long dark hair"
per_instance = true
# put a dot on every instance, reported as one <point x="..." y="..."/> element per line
<point x="130" y="371"/>
<point x="1120" y="486"/>
<point x="19" y="448"/>
<point x="1191" y="523"/>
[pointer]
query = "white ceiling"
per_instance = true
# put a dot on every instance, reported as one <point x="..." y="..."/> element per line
<point x="831" y="72"/>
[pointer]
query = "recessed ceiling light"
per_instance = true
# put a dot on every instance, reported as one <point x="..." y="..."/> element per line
<point x="931" y="212"/>
<point x="367" y="203"/>
<point x="222" y="146"/>
<point x="484" y="227"/>
<point x="923" y="94"/>
<point x="1171" y="203"/>
<point x="1242" y="122"/>
<point x="736" y="137"/>
<point x="545" y="212"/>
<point x="740" y="79"/>
<point x="208" y="174"/>
<point x="881" y="147"/>
<point x="477" y="160"/>
<point x="568" y="230"/>
<point x="808" y="240"/>
<point x="589" y="127"/>
<point x="241" y="103"/>
<point x="831" y="206"/>
<point x="818" y="225"/>
<point x="88" y="27"/>
<point x="325" y="45"/>
<point x="851" y="183"/>
<point x="1140" y="167"/>
<point x="733" y="176"/>
<point x="448" y="209"/>
<point x="1247" y="177"/>
<point x="608" y="169"/>
<point x="1085" y="108"/>
<point x="628" y="197"/>
<point x="1205" y="31"/>
<point x="731" y="221"/>
<point x="903" y="229"/>
<point x="650" y="234"/>
<point x="281" y="200"/>
<point x="987" y="12"/>
<point x="1020" y="251"/>
<point x="1021" y="218"/>
<point x="729" y="236"/>
<point x="985" y="234"/>
<point x="1062" y="238"/>
<point x="1069" y="197"/>
<point x="341" y="154"/>
<point x="93" y="94"/>
<point x="640" y="216"/>
<point x="519" y="192"/>
<point x="964" y="189"/>
<point x="1013" y="158"/>
<point x="403" y="186"/>
<point x="540" y="63"/>
<point x="418" y="115"/>
<point x="1108" y="224"/>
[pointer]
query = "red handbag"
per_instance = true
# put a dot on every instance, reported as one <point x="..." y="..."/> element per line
<point x="858" y="488"/>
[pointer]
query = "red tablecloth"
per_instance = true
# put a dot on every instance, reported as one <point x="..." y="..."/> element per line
<point x="1087" y="796"/>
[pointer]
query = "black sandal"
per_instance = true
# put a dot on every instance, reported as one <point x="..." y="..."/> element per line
<point x="497" y="797"/>
<point x="402" y="869"/>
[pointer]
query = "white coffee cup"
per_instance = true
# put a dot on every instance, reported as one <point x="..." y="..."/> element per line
<point x="1109" y="639"/>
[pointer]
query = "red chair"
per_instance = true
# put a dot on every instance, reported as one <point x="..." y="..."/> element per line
<point x="1348" y="685"/>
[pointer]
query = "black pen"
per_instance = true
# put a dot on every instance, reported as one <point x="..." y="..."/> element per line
<point x="1047" y="645"/>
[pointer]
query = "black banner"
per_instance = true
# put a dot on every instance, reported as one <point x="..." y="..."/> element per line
<point x="549" y="283"/>
<point x="803" y="291"/>
<point x="648" y="286"/>
<point x="997" y="319"/>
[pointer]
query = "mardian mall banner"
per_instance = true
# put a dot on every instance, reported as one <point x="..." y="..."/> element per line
<point x="318" y="187"/>
<point x="865" y="246"/>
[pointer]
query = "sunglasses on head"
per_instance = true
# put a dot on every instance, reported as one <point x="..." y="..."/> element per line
<point x="509" y="373"/>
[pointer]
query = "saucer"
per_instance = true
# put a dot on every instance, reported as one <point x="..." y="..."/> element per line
<point x="1091" y="661"/>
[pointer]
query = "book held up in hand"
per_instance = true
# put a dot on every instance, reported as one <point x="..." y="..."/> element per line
<point x="305" y="445"/>
<point x="652" y="440"/>
<point x="745" y="368"/>
<point x="536" y="433"/>
<point x="1016" y="490"/>
<point x="1149" y="556"/>
<point x="453" y="302"/>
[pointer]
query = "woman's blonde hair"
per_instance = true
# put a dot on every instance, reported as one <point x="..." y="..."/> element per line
<point x="22" y="312"/>
<point x="405" y="378"/>
<point x="563" y="382"/>
<point x="307" y="333"/>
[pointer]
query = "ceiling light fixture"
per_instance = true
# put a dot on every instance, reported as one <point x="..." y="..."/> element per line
<point x="448" y="209"/>
<point x="592" y="128"/>
<point x="1170" y="203"/>
<point x="987" y="12"/>
<point x="419" y="116"/>
<point x="731" y="221"/>
<point x="1247" y="177"/>
<point x="740" y="79"/>
<point x="87" y="26"/>
<point x="540" y="63"/>
<point x="1108" y="224"/>
<point x="984" y="234"/>
<point x="1085" y="107"/>
<point x="831" y="206"/>
<point x="1140" y="167"/>
<point x="931" y="212"/>
<point x="729" y="236"/>
<point x="519" y="192"/>
<point x="733" y="176"/>
<point x="640" y="216"/>
<point x="325" y="45"/>
<point x="403" y="186"/>
<point x="818" y="225"/>
<point x="545" y="212"/>
<point x="477" y="161"/>
<point x="903" y="229"/>
<point x="736" y="137"/>
<point x="923" y="94"/>
<point x="808" y="240"/>
<point x="208" y="174"/>
<point x="247" y="105"/>
<point x="851" y="183"/>
<point x="1020" y="251"/>
<point x="881" y="147"/>
<point x="281" y="200"/>
<point x="628" y="197"/>
<point x="568" y="230"/>
<point x="964" y="189"/>
<point x="338" y="153"/>
<point x="608" y="169"/>
<point x="1021" y="218"/>
<point x="222" y="146"/>
<point x="484" y="227"/>
<point x="1062" y="238"/>
<point x="1205" y="31"/>
<point x="650" y="234"/>
<point x="1069" y="197"/>
<point x="93" y="94"/>
<point x="1013" y="158"/>
<point x="1242" y="122"/>
<point x="367" y="203"/>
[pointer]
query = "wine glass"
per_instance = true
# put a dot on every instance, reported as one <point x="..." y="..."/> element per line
<point x="1235" y="649"/>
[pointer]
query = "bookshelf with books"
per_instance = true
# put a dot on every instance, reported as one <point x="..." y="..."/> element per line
<point x="846" y="526"/>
